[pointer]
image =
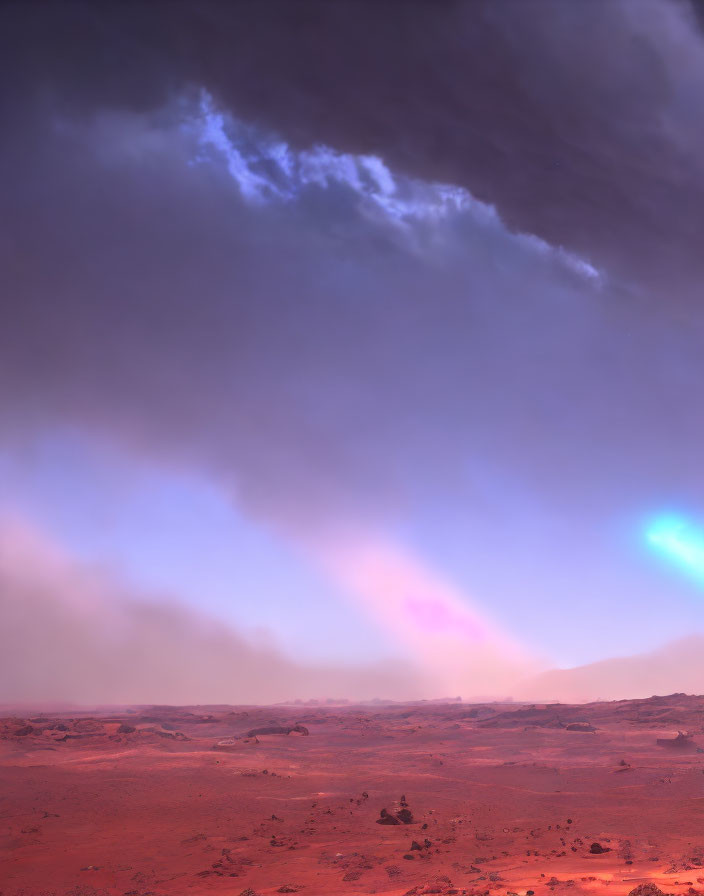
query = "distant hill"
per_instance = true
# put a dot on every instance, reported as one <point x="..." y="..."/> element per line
<point x="676" y="667"/>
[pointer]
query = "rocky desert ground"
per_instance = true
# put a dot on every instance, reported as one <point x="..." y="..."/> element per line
<point x="445" y="798"/>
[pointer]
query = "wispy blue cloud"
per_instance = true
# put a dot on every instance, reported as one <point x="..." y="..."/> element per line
<point x="266" y="169"/>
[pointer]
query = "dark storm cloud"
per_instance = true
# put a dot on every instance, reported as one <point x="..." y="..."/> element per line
<point x="578" y="120"/>
<point x="324" y="365"/>
<point x="311" y="356"/>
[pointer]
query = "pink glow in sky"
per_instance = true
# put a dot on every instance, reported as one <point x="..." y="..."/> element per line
<point x="435" y="617"/>
<point x="460" y="648"/>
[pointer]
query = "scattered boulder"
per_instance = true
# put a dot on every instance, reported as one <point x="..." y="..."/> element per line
<point x="596" y="849"/>
<point x="415" y="845"/>
<point x="386" y="818"/>
<point x="405" y="816"/>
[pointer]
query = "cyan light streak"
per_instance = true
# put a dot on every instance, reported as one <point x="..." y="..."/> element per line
<point x="679" y="541"/>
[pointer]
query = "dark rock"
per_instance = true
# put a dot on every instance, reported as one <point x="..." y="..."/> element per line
<point x="405" y="816"/>
<point x="126" y="729"/>
<point x="596" y="849"/>
<point x="279" y="729"/>
<point x="386" y="818"/>
<point x="646" y="890"/>
<point x="24" y="731"/>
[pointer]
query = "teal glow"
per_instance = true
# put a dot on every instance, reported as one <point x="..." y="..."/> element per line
<point x="681" y="542"/>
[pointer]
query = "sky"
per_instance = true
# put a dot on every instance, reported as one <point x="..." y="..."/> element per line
<point x="350" y="350"/>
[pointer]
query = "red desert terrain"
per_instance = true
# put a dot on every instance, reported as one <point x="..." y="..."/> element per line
<point x="394" y="799"/>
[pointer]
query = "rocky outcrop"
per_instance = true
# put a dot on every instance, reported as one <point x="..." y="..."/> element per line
<point x="681" y="742"/>
<point x="581" y="726"/>
<point x="279" y="729"/>
<point x="401" y="816"/>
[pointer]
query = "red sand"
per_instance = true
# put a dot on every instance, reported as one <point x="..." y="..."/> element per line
<point x="511" y="798"/>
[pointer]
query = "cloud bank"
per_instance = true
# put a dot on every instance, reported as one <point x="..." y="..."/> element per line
<point x="78" y="634"/>
<point x="72" y="633"/>
<point x="579" y="121"/>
